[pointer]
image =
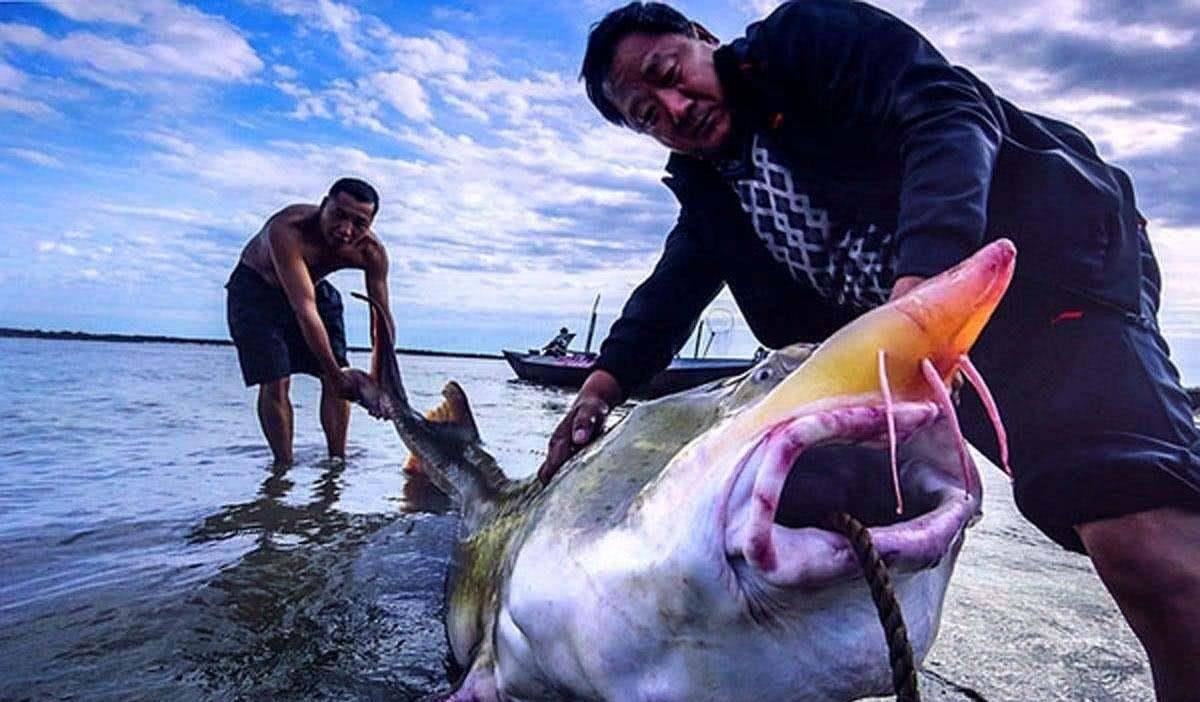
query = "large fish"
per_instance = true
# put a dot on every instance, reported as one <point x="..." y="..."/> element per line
<point x="683" y="555"/>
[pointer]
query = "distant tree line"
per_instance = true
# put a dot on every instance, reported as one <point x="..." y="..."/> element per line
<point x="10" y="332"/>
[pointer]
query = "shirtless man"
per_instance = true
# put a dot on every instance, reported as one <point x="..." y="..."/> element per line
<point x="285" y="318"/>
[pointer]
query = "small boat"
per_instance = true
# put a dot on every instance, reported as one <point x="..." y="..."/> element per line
<point x="570" y="370"/>
<point x="557" y="366"/>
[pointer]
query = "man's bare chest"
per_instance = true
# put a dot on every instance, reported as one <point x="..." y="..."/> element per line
<point x="323" y="261"/>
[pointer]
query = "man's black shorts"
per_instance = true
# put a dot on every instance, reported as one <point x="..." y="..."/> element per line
<point x="1098" y="423"/>
<point x="265" y="331"/>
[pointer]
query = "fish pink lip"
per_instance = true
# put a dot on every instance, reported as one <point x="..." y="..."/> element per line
<point x="811" y="557"/>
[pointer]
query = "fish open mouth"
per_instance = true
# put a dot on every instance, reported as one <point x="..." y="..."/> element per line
<point x="836" y="460"/>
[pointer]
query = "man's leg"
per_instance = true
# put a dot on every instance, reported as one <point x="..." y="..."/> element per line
<point x="275" y="416"/>
<point x="335" y="418"/>
<point x="335" y="412"/>
<point x="1150" y="563"/>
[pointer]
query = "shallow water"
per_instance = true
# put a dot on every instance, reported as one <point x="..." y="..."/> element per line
<point x="149" y="551"/>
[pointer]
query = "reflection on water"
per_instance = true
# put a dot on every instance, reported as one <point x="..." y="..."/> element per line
<point x="290" y="619"/>
<point x="269" y="517"/>
<point x="149" y="553"/>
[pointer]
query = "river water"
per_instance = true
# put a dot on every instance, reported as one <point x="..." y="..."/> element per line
<point x="148" y="551"/>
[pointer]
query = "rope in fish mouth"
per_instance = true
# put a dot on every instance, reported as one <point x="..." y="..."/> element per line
<point x="900" y="655"/>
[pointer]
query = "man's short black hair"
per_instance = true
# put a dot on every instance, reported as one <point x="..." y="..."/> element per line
<point x="360" y="190"/>
<point x="653" y="18"/>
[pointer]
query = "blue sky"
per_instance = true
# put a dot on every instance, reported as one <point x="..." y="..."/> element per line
<point x="142" y="142"/>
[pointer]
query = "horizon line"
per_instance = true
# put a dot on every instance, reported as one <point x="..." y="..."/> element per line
<point x="18" y="333"/>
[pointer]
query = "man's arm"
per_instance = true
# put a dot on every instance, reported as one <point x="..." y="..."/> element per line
<point x="283" y="241"/>
<point x="868" y="75"/>
<point x="661" y="312"/>
<point x="654" y="324"/>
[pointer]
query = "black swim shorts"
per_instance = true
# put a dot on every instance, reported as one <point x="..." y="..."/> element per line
<point x="1098" y="423"/>
<point x="263" y="325"/>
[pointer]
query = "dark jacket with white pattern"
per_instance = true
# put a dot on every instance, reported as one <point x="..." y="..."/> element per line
<point x="872" y="120"/>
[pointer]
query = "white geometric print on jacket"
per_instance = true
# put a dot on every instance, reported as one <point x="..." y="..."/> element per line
<point x="854" y="267"/>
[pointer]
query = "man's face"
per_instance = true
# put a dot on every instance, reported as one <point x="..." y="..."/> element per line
<point x="344" y="219"/>
<point x="667" y="86"/>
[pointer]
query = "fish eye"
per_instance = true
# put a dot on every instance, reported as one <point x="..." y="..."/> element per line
<point x="763" y="374"/>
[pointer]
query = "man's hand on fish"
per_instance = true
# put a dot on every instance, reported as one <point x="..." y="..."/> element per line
<point x="358" y="386"/>
<point x="583" y="422"/>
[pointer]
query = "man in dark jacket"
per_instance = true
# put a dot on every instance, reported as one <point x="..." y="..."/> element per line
<point x="830" y="160"/>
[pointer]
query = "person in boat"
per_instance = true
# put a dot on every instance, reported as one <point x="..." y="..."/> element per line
<point x="558" y="345"/>
<point x="830" y="159"/>
<point x="285" y="318"/>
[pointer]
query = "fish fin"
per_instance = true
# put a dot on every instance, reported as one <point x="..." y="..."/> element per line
<point x="454" y="411"/>
<point x="478" y="685"/>
<point x="454" y="459"/>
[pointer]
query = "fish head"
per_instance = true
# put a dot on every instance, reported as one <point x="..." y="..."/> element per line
<point x="722" y="567"/>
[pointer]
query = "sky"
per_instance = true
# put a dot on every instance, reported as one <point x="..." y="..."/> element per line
<point x="143" y="142"/>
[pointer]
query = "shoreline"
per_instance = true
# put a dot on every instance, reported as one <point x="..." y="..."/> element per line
<point x="13" y="333"/>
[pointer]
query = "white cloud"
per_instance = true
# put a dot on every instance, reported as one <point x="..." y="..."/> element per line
<point x="402" y="92"/>
<point x="56" y="247"/>
<point x="543" y="85"/>
<point x="446" y="213"/>
<point x="397" y="66"/>
<point x="10" y="78"/>
<point x="1126" y="136"/>
<point x="516" y="100"/>
<point x="171" y="142"/>
<point x="285" y="72"/>
<point x="1180" y="260"/>
<point x="23" y="106"/>
<point x="1117" y="125"/>
<point x="172" y="39"/>
<point x="128" y="12"/>
<point x="416" y="68"/>
<point x="361" y="103"/>
<point x="22" y="35"/>
<point x="759" y="8"/>
<point x="338" y="19"/>
<point x="481" y="99"/>
<point x="468" y="109"/>
<point x="311" y="107"/>
<point x="341" y="20"/>
<point x="178" y="216"/>
<point x="452" y="14"/>
<point x="439" y="53"/>
<point x="35" y="157"/>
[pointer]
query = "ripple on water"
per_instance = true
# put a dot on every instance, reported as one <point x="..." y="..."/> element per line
<point x="150" y="552"/>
